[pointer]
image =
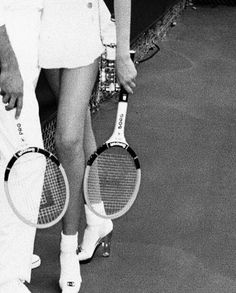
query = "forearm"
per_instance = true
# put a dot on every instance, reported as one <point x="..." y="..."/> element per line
<point x="11" y="83"/>
<point x="7" y="55"/>
<point x="123" y="21"/>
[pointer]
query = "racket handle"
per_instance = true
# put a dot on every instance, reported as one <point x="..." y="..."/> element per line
<point x="123" y="93"/>
<point x="123" y="97"/>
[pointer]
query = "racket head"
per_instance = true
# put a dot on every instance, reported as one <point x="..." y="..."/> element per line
<point x="112" y="176"/>
<point x="45" y="205"/>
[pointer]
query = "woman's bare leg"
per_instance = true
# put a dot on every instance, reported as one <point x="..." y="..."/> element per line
<point x="53" y="78"/>
<point x="98" y="231"/>
<point x="75" y="91"/>
<point x="96" y="227"/>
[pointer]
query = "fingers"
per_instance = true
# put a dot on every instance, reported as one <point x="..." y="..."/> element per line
<point x="2" y="92"/>
<point x="127" y="75"/>
<point x="11" y="103"/>
<point x="129" y="82"/>
<point x="11" y="88"/>
<point x="19" y="105"/>
<point x="14" y="101"/>
<point x="5" y="98"/>
<point x="129" y="86"/>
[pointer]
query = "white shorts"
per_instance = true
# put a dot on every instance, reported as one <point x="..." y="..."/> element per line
<point x="70" y="33"/>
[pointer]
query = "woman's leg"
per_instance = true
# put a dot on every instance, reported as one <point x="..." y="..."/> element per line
<point x="75" y="91"/>
<point x="98" y="231"/>
<point x="97" y="228"/>
<point x="53" y="78"/>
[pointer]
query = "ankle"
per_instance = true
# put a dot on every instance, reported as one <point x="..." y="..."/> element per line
<point x="69" y="243"/>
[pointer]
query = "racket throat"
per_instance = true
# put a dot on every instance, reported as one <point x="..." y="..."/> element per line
<point x="119" y="130"/>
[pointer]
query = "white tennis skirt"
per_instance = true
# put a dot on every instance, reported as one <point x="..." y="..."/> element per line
<point x="70" y="33"/>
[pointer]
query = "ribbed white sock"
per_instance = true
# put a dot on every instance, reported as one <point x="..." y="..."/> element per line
<point x="70" y="277"/>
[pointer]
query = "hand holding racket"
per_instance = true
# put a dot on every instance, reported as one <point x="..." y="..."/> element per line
<point x="36" y="185"/>
<point x="113" y="173"/>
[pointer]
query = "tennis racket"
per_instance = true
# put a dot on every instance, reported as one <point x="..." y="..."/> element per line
<point x="113" y="173"/>
<point x="36" y="185"/>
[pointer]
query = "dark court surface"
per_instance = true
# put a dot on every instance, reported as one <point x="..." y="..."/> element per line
<point x="180" y="236"/>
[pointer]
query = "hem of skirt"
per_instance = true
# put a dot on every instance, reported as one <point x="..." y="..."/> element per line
<point x="67" y="65"/>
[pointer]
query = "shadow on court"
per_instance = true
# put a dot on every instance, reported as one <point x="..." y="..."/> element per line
<point x="180" y="236"/>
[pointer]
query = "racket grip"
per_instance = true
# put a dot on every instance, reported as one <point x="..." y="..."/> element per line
<point x="123" y="95"/>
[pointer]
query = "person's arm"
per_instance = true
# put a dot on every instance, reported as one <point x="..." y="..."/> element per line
<point x="125" y="68"/>
<point x="11" y="83"/>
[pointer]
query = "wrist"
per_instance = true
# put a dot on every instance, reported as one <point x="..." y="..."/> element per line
<point x="7" y="56"/>
<point x="122" y="48"/>
<point x="8" y="66"/>
<point x="9" y="61"/>
<point x="122" y="55"/>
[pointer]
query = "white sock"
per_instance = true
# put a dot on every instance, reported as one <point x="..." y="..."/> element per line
<point x="70" y="268"/>
<point x="69" y="243"/>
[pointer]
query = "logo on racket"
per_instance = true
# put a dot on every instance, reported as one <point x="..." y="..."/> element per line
<point x="20" y="131"/>
<point x="19" y="127"/>
<point x="120" y="123"/>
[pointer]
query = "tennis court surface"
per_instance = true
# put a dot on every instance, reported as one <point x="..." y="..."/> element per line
<point x="180" y="236"/>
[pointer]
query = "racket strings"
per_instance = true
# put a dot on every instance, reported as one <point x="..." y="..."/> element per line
<point x="37" y="189"/>
<point x="112" y="179"/>
<point x="53" y="194"/>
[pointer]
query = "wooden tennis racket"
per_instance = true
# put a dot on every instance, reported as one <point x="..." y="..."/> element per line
<point x="36" y="185"/>
<point x="113" y="173"/>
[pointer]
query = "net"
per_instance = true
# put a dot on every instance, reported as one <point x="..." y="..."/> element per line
<point x="48" y="133"/>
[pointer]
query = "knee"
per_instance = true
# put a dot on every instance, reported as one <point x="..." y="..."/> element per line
<point x="68" y="143"/>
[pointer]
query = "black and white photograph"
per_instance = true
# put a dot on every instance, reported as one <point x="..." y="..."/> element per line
<point x="117" y="146"/>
